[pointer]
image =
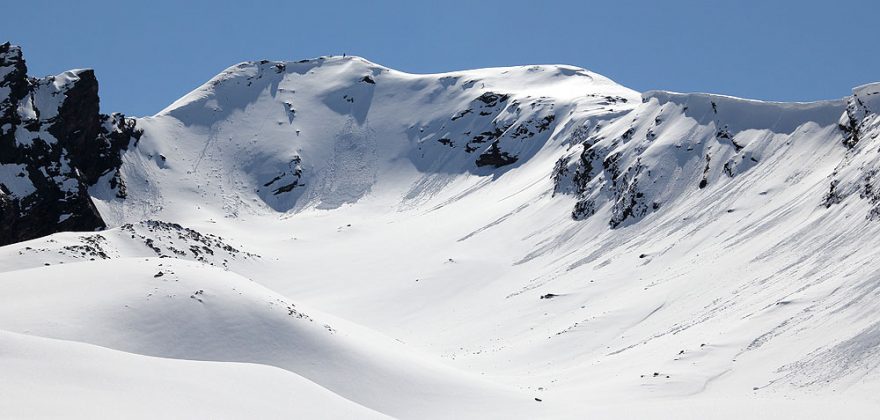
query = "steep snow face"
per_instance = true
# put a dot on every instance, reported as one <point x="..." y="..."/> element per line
<point x="856" y="175"/>
<point x="674" y="144"/>
<point x="524" y="242"/>
<point x="327" y="132"/>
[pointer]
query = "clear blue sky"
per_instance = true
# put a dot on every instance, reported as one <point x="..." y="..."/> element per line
<point x="149" y="53"/>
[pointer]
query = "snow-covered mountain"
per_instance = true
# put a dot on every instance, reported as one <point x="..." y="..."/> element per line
<point x="333" y="238"/>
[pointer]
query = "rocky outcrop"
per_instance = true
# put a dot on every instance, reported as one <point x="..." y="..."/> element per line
<point x="674" y="145"/>
<point x="54" y="146"/>
<point x="288" y="180"/>
<point x="498" y="128"/>
<point x="493" y="156"/>
<point x="856" y="175"/>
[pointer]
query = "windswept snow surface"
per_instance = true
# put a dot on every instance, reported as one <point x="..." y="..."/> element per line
<point x="331" y="238"/>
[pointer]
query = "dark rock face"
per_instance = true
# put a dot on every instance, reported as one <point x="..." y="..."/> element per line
<point x="495" y="157"/>
<point x="287" y="180"/>
<point x="605" y="166"/>
<point x="599" y="174"/>
<point x="54" y="145"/>
<point x="497" y="128"/>
<point x="857" y="173"/>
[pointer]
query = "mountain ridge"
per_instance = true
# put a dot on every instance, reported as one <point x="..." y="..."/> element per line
<point x="489" y="142"/>
<point x="523" y="242"/>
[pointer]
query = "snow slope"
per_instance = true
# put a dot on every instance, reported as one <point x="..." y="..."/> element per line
<point x="45" y="378"/>
<point x="524" y="242"/>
